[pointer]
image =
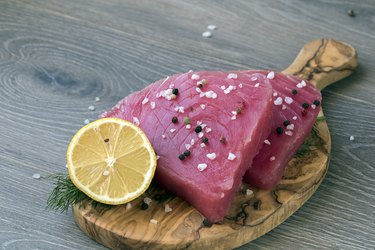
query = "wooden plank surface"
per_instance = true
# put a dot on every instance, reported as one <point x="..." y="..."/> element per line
<point x="57" y="56"/>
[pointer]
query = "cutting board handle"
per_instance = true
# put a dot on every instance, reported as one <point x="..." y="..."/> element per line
<point x="323" y="62"/>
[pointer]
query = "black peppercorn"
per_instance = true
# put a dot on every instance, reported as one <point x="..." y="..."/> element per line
<point x="175" y="91"/>
<point x="294" y="92"/>
<point x="198" y="129"/>
<point x="181" y="157"/>
<point x="316" y="102"/>
<point x="144" y="206"/>
<point x="204" y="139"/>
<point x="187" y="153"/>
<point x="174" y="119"/>
<point x="305" y="105"/>
<point x="286" y="123"/>
<point x="279" y="130"/>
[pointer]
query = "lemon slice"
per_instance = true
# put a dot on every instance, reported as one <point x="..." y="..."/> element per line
<point x="111" y="161"/>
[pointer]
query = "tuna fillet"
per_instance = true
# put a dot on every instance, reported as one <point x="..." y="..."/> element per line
<point x="206" y="127"/>
<point x="296" y="104"/>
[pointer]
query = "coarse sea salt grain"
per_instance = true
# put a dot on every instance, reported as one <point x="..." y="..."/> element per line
<point x="187" y="146"/>
<point x="195" y="77"/>
<point x="267" y="142"/>
<point x="163" y="136"/>
<point x="290" y="127"/>
<point x="253" y="78"/>
<point x="188" y="126"/>
<point x="256" y="85"/>
<point x="288" y="100"/>
<point x="91" y="108"/>
<point x="232" y="76"/>
<point x="172" y="130"/>
<point x="203" y="106"/>
<point x="136" y="120"/>
<point x="87" y="121"/>
<point x="128" y="206"/>
<point x="211" y="156"/>
<point x="147" y="200"/>
<point x="249" y="192"/>
<point x="274" y="93"/>
<point x="202" y="166"/>
<point x="271" y="75"/>
<point x="211" y="27"/>
<point x="152" y="105"/>
<point x="272" y="158"/>
<point x="240" y="85"/>
<point x="351" y="138"/>
<point x="145" y="100"/>
<point x="105" y="173"/>
<point x="167" y="208"/>
<point x="211" y="94"/>
<point x="97" y="99"/>
<point x="278" y="101"/>
<point x="231" y="156"/>
<point x="290" y="133"/>
<point x="199" y="123"/>
<point x="283" y="107"/>
<point x="203" y="145"/>
<point x="192" y="142"/>
<point x="234" y="117"/>
<point x="301" y="84"/>
<point x="294" y="118"/>
<point x="153" y="221"/>
<point x="179" y="109"/>
<point x="208" y="130"/>
<point x="207" y="34"/>
<point x="157" y="157"/>
<point x="223" y="87"/>
<point x="313" y="106"/>
<point x="200" y="134"/>
<point x="36" y="176"/>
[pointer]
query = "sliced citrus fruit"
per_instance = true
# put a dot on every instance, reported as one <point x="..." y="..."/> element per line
<point x="111" y="161"/>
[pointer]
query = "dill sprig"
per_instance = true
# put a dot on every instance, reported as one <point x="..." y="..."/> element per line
<point x="64" y="194"/>
<point x="305" y="147"/>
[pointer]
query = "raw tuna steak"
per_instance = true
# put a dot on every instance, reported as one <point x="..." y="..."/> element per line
<point x="296" y="104"/>
<point x="206" y="127"/>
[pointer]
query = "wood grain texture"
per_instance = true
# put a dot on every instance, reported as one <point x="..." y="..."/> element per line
<point x="57" y="56"/>
<point x="323" y="62"/>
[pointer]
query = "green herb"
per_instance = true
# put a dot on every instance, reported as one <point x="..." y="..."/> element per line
<point x="186" y="120"/>
<point x="318" y="119"/>
<point x="305" y="147"/>
<point x="64" y="194"/>
<point x="309" y="141"/>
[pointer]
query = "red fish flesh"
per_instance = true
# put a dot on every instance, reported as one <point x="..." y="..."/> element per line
<point x="206" y="127"/>
<point x="296" y="104"/>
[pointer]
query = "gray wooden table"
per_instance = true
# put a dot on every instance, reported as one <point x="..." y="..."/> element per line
<point x="57" y="56"/>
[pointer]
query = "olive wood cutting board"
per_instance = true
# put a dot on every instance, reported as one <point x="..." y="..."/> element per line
<point x="252" y="214"/>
